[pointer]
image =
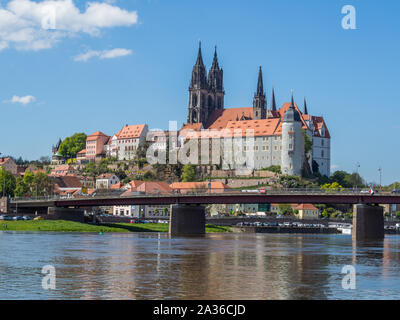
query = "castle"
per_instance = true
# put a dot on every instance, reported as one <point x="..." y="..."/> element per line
<point x="279" y="132"/>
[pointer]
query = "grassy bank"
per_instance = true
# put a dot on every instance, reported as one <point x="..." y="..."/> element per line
<point x="70" y="226"/>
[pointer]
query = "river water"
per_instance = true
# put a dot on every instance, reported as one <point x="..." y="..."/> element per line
<point x="217" y="266"/>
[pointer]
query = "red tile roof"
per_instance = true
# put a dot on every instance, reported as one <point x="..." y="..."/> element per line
<point x="129" y="132"/>
<point x="67" y="182"/>
<point x="117" y="186"/>
<point x="263" y="127"/>
<point x="154" y="187"/>
<point x="192" y="126"/>
<point x="203" y="185"/>
<point x="149" y="187"/>
<point x="220" y="118"/>
<point x="105" y="176"/>
<point x="306" y="206"/>
<point x="4" y="160"/>
<point x="95" y="136"/>
<point x="134" y="184"/>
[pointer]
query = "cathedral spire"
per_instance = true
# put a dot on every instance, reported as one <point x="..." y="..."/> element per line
<point x="305" y="106"/>
<point x="199" y="76"/>
<point x="199" y="61"/>
<point x="259" y="111"/>
<point x="260" y="86"/>
<point x="215" y="60"/>
<point x="215" y="76"/>
<point x="273" y="103"/>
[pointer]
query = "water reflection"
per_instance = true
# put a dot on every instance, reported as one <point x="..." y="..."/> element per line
<point x="218" y="266"/>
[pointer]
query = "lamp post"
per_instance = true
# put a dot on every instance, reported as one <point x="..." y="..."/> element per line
<point x="380" y="178"/>
<point x="4" y="183"/>
<point x="357" y="166"/>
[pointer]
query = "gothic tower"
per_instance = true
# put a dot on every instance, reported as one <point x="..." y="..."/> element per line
<point x="292" y="155"/>
<point x="215" y="99"/>
<point x="305" y="106"/>
<point x="259" y="111"/>
<point x="272" y="110"/>
<point x="198" y="92"/>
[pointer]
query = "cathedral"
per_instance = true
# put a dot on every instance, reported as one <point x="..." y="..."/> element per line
<point x="279" y="132"/>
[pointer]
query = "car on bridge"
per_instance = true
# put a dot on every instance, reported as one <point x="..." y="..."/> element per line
<point x="368" y="191"/>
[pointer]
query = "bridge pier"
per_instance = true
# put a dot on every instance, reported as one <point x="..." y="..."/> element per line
<point x="187" y="220"/>
<point x="70" y="214"/>
<point x="368" y="222"/>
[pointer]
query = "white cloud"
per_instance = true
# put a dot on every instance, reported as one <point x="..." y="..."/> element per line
<point x="30" y="25"/>
<point x="83" y="57"/>
<point x="105" y="54"/>
<point x="23" y="100"/>
<point x="111" y="54"/>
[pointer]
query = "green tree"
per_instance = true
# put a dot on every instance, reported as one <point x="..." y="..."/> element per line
<point x="42" y="184"/>
<point x="91" y="169"/>
<point x="353" y="179"/>
<point x="32" y="185"/>
<point x="307" y="143"/>
<point x="148" y="176"/>
<point x="325" y="213"/>
<point x="72" y="145"/>
<point x="7" y="183"/>
<point x="188" y="173"/>
<point x="285" y="209"/>
<point x="339" y="177"/>
<point x="334" y="186"/>
<point x="276" y="169"/>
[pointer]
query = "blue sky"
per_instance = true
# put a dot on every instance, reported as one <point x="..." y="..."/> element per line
<point x="348" y="76"/>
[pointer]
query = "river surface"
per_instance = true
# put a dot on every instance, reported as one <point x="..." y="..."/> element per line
<point x="217" y="266"/>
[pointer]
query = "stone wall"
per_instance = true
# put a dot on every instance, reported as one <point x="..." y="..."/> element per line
<point x="69" y="214"/>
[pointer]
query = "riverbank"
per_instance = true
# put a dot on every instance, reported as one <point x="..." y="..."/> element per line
<point x="70" y="226"/>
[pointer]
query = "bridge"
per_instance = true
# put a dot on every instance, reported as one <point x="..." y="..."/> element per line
<point x="188" y="214"/>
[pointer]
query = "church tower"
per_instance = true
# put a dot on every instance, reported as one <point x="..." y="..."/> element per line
<point x="259" y="103"/>
<point x="216" y="93"/>
<point x="292" y="156"/>
<point x="198" y="92"/>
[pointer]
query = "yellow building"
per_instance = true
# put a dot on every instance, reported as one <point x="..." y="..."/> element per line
<point x="307" y="211"/>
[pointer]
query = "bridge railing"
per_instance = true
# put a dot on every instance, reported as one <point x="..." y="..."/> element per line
<point x="193" y="192"/>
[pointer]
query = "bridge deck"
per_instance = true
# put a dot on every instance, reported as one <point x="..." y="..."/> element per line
<point x="214" y="198"/>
